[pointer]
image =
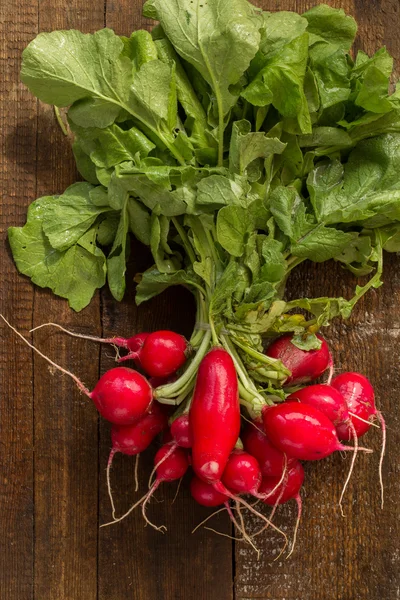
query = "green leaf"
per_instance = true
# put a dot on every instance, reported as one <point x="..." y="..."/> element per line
<point x="70" y="215"/>
<point x="331" y="26"/>
<point x="281" y="83"/>
<point x="166" y="260"/>
<point x="74" y="274"/>
<point x="322" y="243"/>
<point x="218" y="37"/>
<point x="233" y="226"/>
<point x="152" y="283"/>
<point x="84" y="163"/>
<point x="306" y="342"/>
<point x="116" y="260"/>
<point x="366" y="186"/>
<point x="107" y="229"/>
<point x="245" y="146"/>
<point x="216" y="191"/>
<point x="64" y="66"/>
<point x="139" y="221"/>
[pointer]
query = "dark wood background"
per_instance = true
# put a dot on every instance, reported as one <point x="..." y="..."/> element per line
<point x="54" y="449"/>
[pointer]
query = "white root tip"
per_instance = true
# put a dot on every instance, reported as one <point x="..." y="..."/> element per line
<point x="299" y="511"/>
<point x="382" y="456"/>
<point x="353" y="460"/>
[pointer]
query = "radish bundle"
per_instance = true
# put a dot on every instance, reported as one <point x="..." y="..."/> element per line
<point x="236" y="144"/>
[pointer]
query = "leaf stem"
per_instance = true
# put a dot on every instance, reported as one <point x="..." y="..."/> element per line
<point x="166" y="391"/>
<point x="185" y="240"/>
<point x="59" y="120"/>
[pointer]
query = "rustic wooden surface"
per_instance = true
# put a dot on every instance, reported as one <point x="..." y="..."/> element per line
<point x="54" y="449"/>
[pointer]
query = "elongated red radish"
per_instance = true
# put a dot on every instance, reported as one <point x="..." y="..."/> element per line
<point x="214" y="415"/>
<point x="134" y="439"/>
<point x="121" y="395"/>
<point x="360" y="397"/>
<point x="168" y="468"/>
<point x="275" y="494"/>
<point x="271" y="460"/>
<point x="160" y="353"/>
<point x="304" y="365"/>
<point x="242" y="474"/>
<point x="302" y="431"/>
<point x="330" y="402"/>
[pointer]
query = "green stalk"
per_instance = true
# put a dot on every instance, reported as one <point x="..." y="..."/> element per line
<point x="246" y="386"/>
<point x="185" y="240"/>
<point x="167" y="391"/>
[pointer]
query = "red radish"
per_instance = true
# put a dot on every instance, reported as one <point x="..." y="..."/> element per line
<point x="271" y="460"/>
<point x="134" y="439"/>
<point x="331" y="403"/>
<point x="179" y="435"/>
<point x="205" y="493"/>
<point x="302" y="431"/>
<point x="360" y="397"/>
<point x="169" y="467"/>
<point x="214" y="415"/>
<point x="163" y="353"/>
<point x="242" y="473"/>
<point x="121" y="395"/>
<point x="160" y="353"/>
<point x="325" y="398"/>
<point x="181" y="432"/>
<point x="304" y="365"/>
<point x="289" y="489"/>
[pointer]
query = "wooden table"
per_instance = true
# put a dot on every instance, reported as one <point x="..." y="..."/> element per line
<point x="54" y="449"/>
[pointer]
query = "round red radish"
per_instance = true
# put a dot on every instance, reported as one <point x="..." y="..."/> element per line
<point x="271" y="460"/>
<point x="134" y="343"/>
<point x="359" y="395"/>
<point x="206" y="494"/>
<point x="180" y="431"/>
<point x="325" y="398"/>
<point x="304" y="365"/>
<point x="163" y="353"/>
<point x="302" y="431"/>
<point x="122" y="395"/>
<point x="170" y="465"/>
<point x="289" y="488"/>
<point x="133" y="439"/>
<point x="242" y="473"/>
<point x="214" y="415"/>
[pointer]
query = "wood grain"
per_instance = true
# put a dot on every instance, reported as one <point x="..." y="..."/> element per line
<point x="54" y="449"/>
<point x="66" y="424"/>
<point x="18" y="24"/>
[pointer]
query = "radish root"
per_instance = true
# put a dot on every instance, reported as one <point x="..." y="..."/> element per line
<point x="296" y="528"/>
<point x="383" y="450"/>
<point x="109" y="463"/>
<point x="164" y="458"/>
<point x="115" y="340"/>
<point x="78" y="382"/>
<point x="353" y="460"/>
<point x="137" y="472"/>
<point x="147" y="497"/>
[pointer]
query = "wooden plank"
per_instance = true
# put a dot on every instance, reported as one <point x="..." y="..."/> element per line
<point x="66" y="424"/>
<point x="18" y="24"/>
<point x="357" y="557"/>
<point x="146" y="564"/>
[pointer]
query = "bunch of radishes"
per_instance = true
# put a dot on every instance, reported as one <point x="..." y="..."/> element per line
<point x="261" y="460"/>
